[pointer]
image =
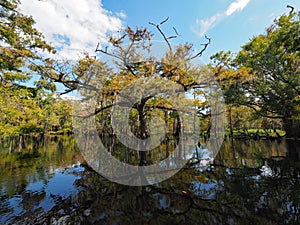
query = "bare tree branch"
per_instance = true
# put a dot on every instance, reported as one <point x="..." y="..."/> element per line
<point x="67" y="91"/>
<point x="162" y="33"/>
<point x="176" y="31"/>
<point x="94" y="113"/>
<point x="199" y="54"/>
<point x="161" y="23"/>
<point x="173" y="36"/>
<point x="106" y="52"/>
<point x="291" y="7"/>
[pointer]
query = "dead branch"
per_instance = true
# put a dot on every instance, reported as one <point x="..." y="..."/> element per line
<point x="161" y="23"/>
<point x="124" y="60"/>
<point x="163" y="34"/>
<point x="199" y="54"/>
<point x="106" y="52"/>
<point x="291" y="7"/>
<point x="176" y="31"/>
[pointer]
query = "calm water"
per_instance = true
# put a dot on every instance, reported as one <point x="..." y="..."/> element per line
<point x="43" y="181"/>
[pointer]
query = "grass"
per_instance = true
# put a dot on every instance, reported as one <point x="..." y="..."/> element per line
<point x="259" y="133"/>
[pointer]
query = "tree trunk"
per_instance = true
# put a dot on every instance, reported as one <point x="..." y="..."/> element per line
<point x="293" y="150"/>
<point x="230" y="122"/>
<point x="143" y="133"/>
<point x="20" y="143"/>
<point x="288" y="128"/>
<point x="177" y="129"/>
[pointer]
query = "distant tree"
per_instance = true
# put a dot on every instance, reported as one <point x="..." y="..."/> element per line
<point x="19" y="111"/>
<point x="231" y="78"/>
<point x="265" y="74"/>
<point x="23" y="109"/>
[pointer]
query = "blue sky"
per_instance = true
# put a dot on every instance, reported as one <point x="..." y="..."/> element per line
<point x="76" y="25"/>
<point x="231" y="29"/>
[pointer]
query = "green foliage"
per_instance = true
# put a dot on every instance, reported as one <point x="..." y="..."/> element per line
<point x="20" y="43"/>
<point x="261" y="83"/>
<point x="57" y="114"/>
<point x="26" y="110"/>
<point x="264" y="75"/>
<point x="274" y="59"/>
<point x="23" y="109"/>
<point x="19" y="113"/>
<point x="133" y="59"/>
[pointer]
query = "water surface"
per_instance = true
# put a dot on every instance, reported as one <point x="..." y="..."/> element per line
<point x="249" y="182"/>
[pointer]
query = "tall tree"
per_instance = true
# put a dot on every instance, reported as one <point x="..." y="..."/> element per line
<point x="21" y="47"/>
<point x="134" y="60"/>
<point x="274" y="59"/>
<point x="265" y="74"/>
<point x="20" y="44"/>
<point x="231" y="79"/>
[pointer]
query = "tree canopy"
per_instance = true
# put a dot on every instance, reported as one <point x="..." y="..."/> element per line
<point x="21" y="43"/>
<point x="22" y="108"/>
<point x="264" y="75"/>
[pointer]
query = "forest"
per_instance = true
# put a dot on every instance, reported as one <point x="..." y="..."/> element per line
<point x="260" y="83"/>
<point x="235" y="122"/>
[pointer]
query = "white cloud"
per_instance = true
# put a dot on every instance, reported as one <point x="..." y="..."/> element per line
<point x="72" y="26"/>
<point x="206" y="24"/>
<point x="236" y="6"/>
<point x="122" y="15"/>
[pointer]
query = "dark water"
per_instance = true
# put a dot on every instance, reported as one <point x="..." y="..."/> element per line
<point x="249" y="182"/>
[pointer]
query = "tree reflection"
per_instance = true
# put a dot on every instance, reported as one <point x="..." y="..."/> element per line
<point x="258" y="183"/>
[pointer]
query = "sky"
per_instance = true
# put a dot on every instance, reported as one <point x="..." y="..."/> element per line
<point x="74" y="26"/>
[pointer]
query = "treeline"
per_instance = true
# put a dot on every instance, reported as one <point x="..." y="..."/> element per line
<point x="25" y="110"/>
<point x="260" y="84"/>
